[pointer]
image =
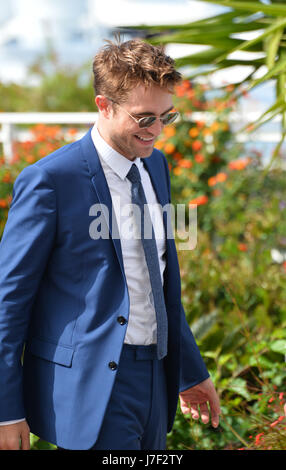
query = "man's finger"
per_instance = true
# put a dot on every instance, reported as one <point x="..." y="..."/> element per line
<point x="204" y="413"/>
<point x="185" y="407"/>
<point x="194" y="411"/>
<point x="215" y="413"/>
<point x="215" y="419"/>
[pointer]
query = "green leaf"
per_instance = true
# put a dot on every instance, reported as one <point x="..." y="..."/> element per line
<point x="278" y="25"/>
<point x="279" y="346"/>
<point x="279" y="67"/>
<point x="274" y="10"/>
<point x="203" y="325"/>
<point x="212" y="20"/>
<point x="238" y="386"/>
<point x="273" y="42"/>
<point x="277" y="108"/>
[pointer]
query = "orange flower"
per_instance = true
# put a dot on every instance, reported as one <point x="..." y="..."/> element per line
<point x="27" y="145"/>
<point x="3" y="204"/>
<point x="199" y="158"/>
<point x="200" y="124"/>
<point x="15" y="158"/>
<point x="7" y="177"/>
<point x="207" y="131"/>
<point x="169" y="131"/>
<point x="230" y="88"/>
<point x="194" y="132"/>
<point x="43" y="152"/>
<point x="197" y="145"/>
<point x="183" y="88"/>
<point x="186" y="84"/>
<point x="274" y="423"/>
<point x="72" y="131"/>
<point x="258" y="438"/>
<point x="221" y="177"/>
<point x="239" y="164"/>
<point x="177" y="156"/>
<point x="159" y="144"/>
<point x="190" y="94"/>
<point x="169" y="147"/>
<point x="214" y="127"/>
<point x="180" y="92"/>
<point x="30" y="159"/>
<point x="200" y="200"/>
<point x="177" y="171"/>
<point x="242" y="246"/>
<point x="184" y="163"/>
<point x="212" y="181"/>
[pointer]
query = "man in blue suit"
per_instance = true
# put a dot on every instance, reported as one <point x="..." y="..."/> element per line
<point x="94" y="345"/>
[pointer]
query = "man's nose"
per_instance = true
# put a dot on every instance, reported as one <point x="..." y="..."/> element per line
<point x="157" y="127"/>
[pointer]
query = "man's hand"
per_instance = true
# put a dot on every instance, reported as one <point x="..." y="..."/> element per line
<point x="15" y="436"/>
<point x="195" y="400"/>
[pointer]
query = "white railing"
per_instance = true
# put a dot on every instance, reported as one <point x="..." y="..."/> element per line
<point x="9" y="122"/>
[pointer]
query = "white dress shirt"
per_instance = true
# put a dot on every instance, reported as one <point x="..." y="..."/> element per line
<point x="141" y="328"/>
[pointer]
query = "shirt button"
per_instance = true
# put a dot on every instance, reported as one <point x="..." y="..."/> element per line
<point x="121" y="320"/>
<point x="112" y="365"/>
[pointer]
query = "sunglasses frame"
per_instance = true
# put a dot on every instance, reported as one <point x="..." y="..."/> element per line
<point x="139" y="121"/>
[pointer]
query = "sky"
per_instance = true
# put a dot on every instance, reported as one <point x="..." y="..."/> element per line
<point x="78" y="28"/>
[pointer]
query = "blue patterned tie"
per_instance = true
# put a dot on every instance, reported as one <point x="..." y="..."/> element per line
<point x="151" y="255"/>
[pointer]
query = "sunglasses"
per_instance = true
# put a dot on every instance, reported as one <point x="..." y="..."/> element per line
<point x="149" y="120"/>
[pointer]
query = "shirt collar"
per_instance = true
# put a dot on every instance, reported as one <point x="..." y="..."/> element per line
<point x="117" y="162"/>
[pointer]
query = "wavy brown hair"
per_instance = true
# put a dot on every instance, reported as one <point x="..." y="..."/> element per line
<point x="119" y="67"/>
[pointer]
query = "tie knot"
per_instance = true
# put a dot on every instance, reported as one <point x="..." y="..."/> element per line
<point x="133" y="175"/>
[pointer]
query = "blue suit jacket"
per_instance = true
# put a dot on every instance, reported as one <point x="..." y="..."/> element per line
<point x="61" y="293"/>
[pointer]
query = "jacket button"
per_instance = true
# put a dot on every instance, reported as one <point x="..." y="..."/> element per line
<point x="121" y="320"/>
<point x="112" y="365"/>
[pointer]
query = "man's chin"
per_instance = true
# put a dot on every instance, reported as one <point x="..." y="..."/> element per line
<point x="147" y="153"/>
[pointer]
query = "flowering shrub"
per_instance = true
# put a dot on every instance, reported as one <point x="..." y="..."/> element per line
<point x="233" y="292"/>
<point x="270" y="427"/>
<point x="45" y="139"/>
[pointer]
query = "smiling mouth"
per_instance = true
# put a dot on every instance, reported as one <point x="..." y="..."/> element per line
<point x="145" y="139"/>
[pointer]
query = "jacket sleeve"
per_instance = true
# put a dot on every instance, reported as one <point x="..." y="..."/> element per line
<point x="24" y="250"/>
<point x="193" y="369"/>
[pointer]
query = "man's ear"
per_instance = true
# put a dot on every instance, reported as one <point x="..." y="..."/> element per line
<point x="104" y="105"/>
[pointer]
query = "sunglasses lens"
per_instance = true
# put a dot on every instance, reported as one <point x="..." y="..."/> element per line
<point x="147" y="121"/>
<point x="170" y="118"/>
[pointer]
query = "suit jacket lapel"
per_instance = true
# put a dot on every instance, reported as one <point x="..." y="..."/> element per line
<point x="157" y="181"/>
<point x="101" y="188"/>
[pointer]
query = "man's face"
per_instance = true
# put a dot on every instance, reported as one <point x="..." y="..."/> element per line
<point x="123" y="133"/>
